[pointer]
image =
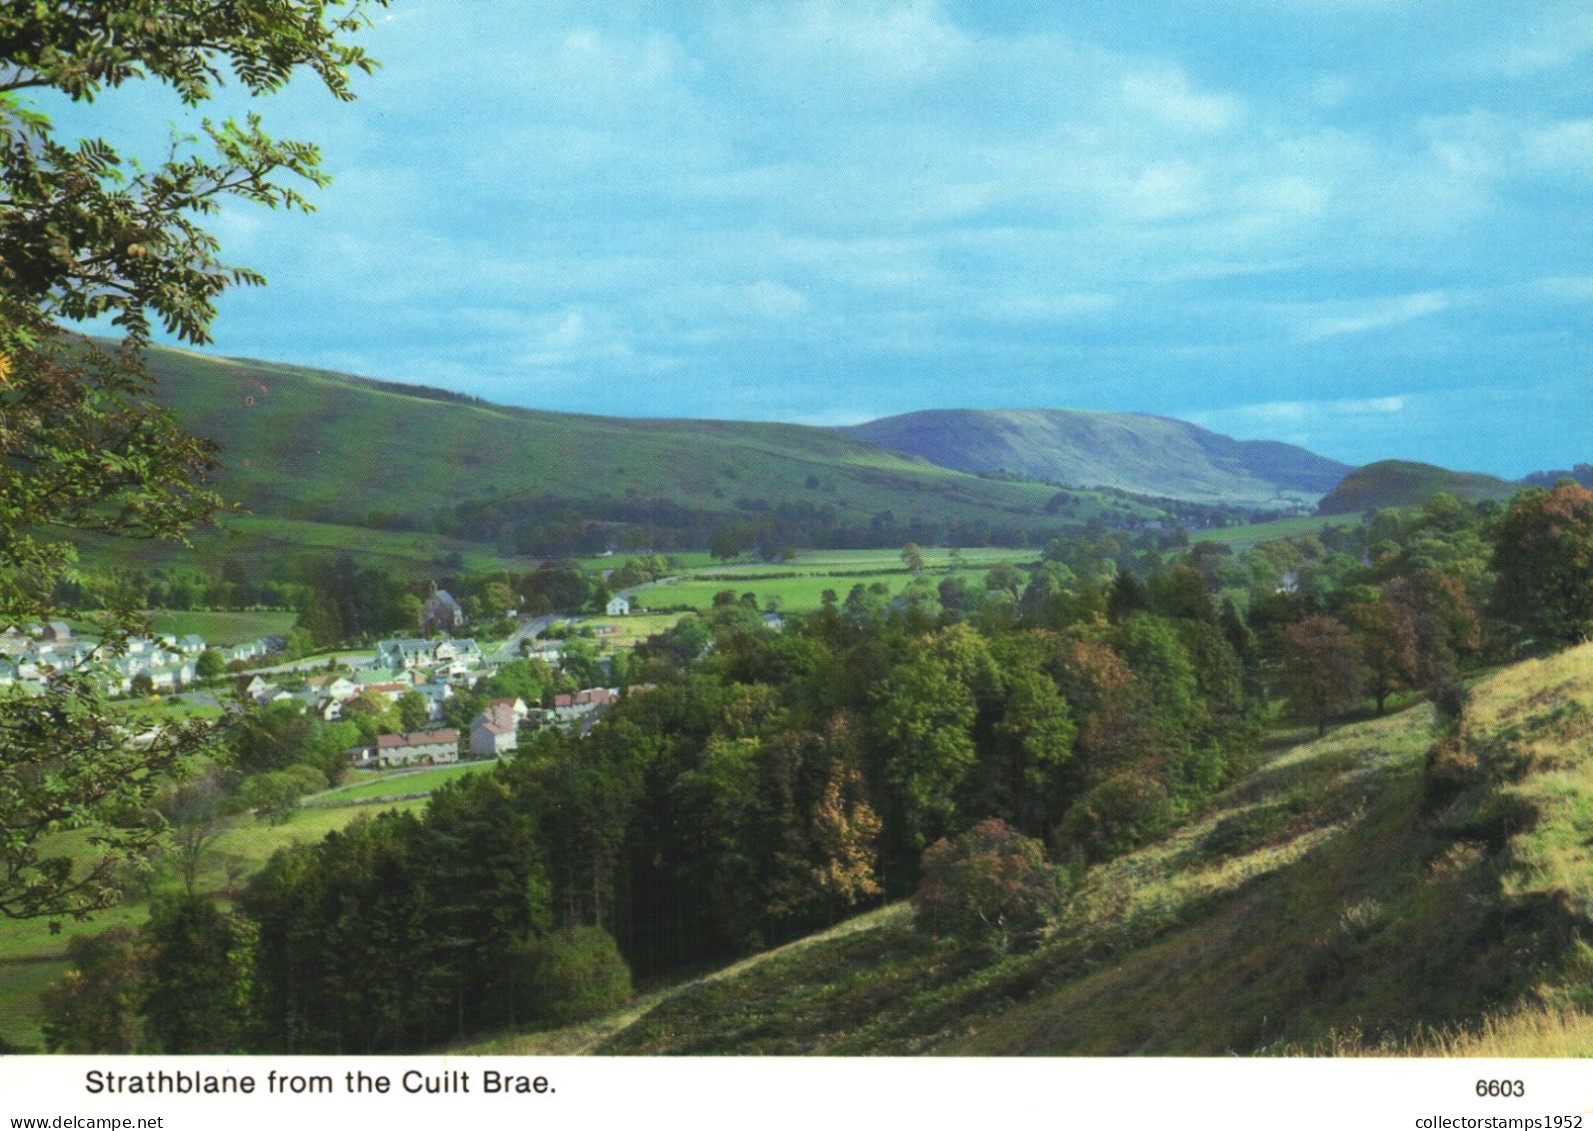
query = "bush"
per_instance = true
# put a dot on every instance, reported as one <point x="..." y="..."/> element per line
<point x="1119" y="814"/>
<point x="573" y="974"/>
<point x="991" y="884"/>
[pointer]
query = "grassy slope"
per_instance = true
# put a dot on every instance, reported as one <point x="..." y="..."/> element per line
<point x="1401" y="483"/>
<point x="1326" y="903"/>
<point x="297" y="439"/>
<point x="1148" y="454"/>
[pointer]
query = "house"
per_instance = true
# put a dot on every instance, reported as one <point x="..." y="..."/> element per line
<point x="619" y="606"/>
<point x="440" y="612"/>
<point x="494" y="732"/>
<point x="401" y="655"/>
<point x="56" y="632"/>
<point x="434" y="747"/>
<point x="337" y="687"/>
<point x="191" y="644"/>
<point x="516" y="705"/>
<point x="567" y="708"/>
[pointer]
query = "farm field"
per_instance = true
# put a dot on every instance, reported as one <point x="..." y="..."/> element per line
<point x="632" y="629"/>
<point x="222" y="628"/>
<point x="799" y="594"/>
<point x="1245" y="537"/>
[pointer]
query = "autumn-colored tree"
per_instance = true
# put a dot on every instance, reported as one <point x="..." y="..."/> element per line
<point x="990" y="884"/>
<point x="1387" y="633"/>
<point x="1543" y="562"/>
<point x="844" y="831"/>
<point x="1321" y="670"/>
<point x="1445" y="620"/>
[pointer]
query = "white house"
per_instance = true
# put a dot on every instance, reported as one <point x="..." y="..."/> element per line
<point x="619" y="606"/>
<point x="422" y="746"/>
<point x="494" y="732"/>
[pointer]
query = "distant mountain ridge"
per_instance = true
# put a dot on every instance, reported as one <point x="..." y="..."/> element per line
<point x="1152" y="455"/>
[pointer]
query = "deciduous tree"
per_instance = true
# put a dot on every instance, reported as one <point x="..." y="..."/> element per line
<point x="1321" y="670"/>
<point x="1543" y="559"/>
<point x="86" y="232"/>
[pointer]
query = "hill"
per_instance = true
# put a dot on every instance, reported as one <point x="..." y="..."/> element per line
<point x="312" y="445"/>
<point x="1153" y="455"/>
<point x="1401" y="483"/>
<point x="1374" y="891"/>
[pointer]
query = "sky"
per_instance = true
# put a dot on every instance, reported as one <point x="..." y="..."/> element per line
<point x="1362" y="226"/>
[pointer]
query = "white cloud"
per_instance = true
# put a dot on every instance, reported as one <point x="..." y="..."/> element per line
<point x="1329" y="320"/>
<point x="1167" y="96"/>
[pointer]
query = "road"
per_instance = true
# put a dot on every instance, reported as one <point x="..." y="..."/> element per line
<point x="528" y="630"/>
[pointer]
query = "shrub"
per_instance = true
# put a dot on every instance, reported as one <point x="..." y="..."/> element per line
<point x="991" y="884"/>
<point x="574" y="973"/>
<point x="1117" y="815"/>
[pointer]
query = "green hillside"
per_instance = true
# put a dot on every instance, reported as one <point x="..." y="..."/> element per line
<point x="1374" y="891"/>
<point x="1401" y="483"/>
<point x="1152" y="455"/>
<point x="326" y="447"/>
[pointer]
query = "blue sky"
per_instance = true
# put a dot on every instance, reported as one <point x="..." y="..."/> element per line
<point x="1365" y="226"/>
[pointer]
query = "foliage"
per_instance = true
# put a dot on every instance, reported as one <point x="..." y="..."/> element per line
<point x="68" y="763"/>
<point x="194" y="999"/>
<point x="574" y="973"/>
<point x="95" y="1006"/>
<point x="990" y="884"/>
<point x="85" y="233"/>
<point x="1543" y="557"/>
<point x="1322" y="671"/>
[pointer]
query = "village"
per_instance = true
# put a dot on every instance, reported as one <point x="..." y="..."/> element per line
<point x="433" y="667"/>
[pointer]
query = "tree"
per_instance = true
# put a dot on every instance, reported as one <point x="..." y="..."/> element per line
<point x="987" y="885"/>
<point x="85" y="233"/>
<point x="210" y="665"/>
<point x="913" y="558"/>
<point x="194" y="990"/>
<point x="95" y="1005"/>
<point x="1321" y="670"/>
<point x="1388" y="646"/>
<point x="1543" y="561"/>
<point x="413" y="710"/>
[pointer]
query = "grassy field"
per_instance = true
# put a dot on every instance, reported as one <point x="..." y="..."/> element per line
<point x="935" y="558"/>
<point x="399" y="784"/>
<point x="158" y="708"/>
<point x="800" y="594"/>
<point x="1244" y="537"/>
<point x="632" y="629"/>
<point x="1335" y="901"/>
<point x="221" y="629"/>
